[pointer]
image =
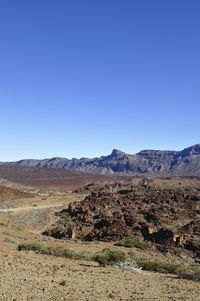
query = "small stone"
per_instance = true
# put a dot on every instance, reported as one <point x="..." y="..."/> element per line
<point x="63" y="283"/>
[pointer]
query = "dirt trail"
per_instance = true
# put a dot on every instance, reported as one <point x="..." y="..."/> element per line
<point x="31" y="207"/>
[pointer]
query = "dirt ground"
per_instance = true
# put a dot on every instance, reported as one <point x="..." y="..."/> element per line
<point x="27" y="276"/>
<point x="53" y="178"/>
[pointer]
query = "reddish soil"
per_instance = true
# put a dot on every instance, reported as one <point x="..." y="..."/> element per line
<point x="9" y="193"/>
<point x="55" y="178"/>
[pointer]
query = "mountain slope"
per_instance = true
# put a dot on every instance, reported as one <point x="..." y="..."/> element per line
<point x="184" y="163"/>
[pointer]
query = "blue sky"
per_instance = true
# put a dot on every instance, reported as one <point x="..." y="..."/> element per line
<point x="79" y="78"/>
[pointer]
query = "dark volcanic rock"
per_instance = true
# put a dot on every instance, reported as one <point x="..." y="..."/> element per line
<point x="162" y="216"/>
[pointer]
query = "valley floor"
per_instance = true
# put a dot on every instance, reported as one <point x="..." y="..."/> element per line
<point x="25" y="276"/>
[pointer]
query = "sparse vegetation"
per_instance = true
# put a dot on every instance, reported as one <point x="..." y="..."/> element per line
<point x="158" y="265"/>
<point x="35" y="247"/>
<point x="55" y="251"/>
<point x="113" y="256"/>
<point x="133" y="242"/>
<point x="109" y="256"/>
<point x="191" y="272"/>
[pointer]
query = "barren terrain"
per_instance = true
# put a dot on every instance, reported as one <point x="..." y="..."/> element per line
<point x="54" y="178"/>
<point x="29" y="276"/>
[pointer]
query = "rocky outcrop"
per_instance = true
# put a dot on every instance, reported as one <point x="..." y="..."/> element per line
<point x="164" y="217"/>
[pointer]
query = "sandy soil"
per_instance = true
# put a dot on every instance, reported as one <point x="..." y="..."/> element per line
<point x="26" y="276"/>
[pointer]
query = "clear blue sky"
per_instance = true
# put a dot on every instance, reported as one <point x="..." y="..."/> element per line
<point x="81" y="77"/>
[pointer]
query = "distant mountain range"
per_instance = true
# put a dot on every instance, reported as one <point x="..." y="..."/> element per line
<point x="146" y="162"/>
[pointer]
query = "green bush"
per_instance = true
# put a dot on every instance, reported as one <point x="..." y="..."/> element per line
<point x="158" y="265"/>
<point x="35" y="247"/>
<point x="82" y="256"/>
<point x="55" y="251"/>
<point x="191" y="273"/>
<point x="133" y="242"/>
<point x="109" y="256"/>
<point x="101" y="258"/>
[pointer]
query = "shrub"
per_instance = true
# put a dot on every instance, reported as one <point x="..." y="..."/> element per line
<point x="82" y="256"/>
<point x="35" y="247"/>
<point x="191" y="273"/>
<point x="76" y="255"/>
<point x="133" y="242"/>
<point x="158" y="265"/>
<point x="101" y="258"/>
<point x="109" y="256"/>
<point x="55" y="251"/>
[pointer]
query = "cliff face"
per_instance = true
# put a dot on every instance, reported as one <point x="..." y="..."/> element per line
<point x="183" y="163"/>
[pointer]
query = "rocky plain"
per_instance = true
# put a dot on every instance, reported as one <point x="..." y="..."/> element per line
<point x="87" y="214"/>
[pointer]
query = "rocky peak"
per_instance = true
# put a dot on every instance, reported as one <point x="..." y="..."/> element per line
<point x="192" y="150"/>
<point x="116" y="153"/>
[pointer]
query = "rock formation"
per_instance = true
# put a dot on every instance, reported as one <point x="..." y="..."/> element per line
<point x="151" y="162"/>
<point x="165" y="217"/>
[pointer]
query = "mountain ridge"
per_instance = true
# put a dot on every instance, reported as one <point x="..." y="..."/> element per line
<point x="146" y="162"/>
